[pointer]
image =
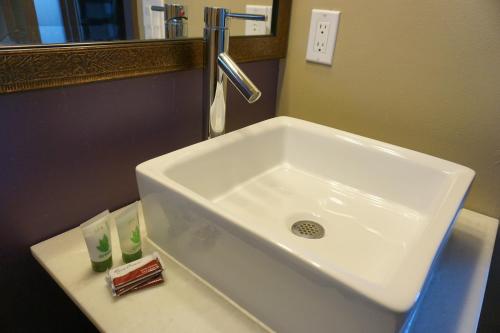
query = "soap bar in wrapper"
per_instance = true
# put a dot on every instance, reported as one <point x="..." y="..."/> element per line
<point x="139" y="274"/>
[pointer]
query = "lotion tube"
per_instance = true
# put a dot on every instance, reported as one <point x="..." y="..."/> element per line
<point x="98" y="240"/>
<point x="127" y="225"/>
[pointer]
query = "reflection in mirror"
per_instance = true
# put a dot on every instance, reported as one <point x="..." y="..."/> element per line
<point x="73" y="21"/>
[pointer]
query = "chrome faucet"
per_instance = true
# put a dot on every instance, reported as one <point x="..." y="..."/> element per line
<point x="218" y="66"/>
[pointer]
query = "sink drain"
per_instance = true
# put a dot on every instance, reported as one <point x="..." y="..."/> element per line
<point x="308" y="229"/>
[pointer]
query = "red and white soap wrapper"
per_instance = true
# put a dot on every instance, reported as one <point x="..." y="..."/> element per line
<point x="138" y="274"/>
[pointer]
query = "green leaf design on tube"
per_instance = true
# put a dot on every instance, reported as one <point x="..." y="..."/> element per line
<point x="103" y="244"/>
<point x="136" y="236"/>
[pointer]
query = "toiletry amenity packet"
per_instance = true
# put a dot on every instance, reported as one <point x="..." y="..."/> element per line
<point x="98" y="240"/>
<point x="139" y="274"/>
<point x="127" y="225"/>
<point x="152" y="281"/>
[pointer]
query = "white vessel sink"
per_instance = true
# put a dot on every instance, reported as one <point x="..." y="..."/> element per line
<point x="225" y="208"/>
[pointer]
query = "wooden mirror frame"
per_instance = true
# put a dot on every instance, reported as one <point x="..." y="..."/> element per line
<point x="46" y="66"/>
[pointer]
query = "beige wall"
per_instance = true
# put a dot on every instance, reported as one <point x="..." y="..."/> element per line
<point x="195" y="14"/>
<point x="420" y="74"/>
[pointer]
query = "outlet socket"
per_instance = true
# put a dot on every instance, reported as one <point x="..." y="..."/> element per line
<point x="322" y="36"/>
<point x="253" y="28"/>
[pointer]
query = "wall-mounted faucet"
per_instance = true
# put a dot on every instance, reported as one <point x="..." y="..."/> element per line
<point x="218" y="66"/>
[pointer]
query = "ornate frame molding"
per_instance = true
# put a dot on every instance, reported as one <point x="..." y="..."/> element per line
<point x="36" y="67"/>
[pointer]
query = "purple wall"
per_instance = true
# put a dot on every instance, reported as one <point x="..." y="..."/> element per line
<point x="70" y="153"/>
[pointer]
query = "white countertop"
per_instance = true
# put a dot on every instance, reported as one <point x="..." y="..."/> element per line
<point x="184" y="303"/>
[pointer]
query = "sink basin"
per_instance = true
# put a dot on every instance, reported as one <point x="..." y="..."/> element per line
<point x="306" y="227"/>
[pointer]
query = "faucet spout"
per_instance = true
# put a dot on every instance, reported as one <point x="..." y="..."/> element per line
<point x="238" y="78"/>
<point x="218" y="67"/>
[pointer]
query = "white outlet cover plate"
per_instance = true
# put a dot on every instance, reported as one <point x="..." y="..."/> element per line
<point x="320" y="15"/>
<point x="254" y="28"/>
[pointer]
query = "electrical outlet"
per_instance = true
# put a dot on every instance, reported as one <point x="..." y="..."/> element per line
<point x="253" y="28"/>
<point x="322" y="36"/>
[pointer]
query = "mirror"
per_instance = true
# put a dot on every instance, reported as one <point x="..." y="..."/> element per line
<point x="34" y="22"/>
<point x="24" y="66"/>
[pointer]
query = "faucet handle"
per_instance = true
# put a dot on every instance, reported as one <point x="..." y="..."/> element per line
<point x="245" y="16"/>
<point x="215" y="17"/>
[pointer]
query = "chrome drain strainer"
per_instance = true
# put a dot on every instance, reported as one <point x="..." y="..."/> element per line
<point x="308" y="229"/>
